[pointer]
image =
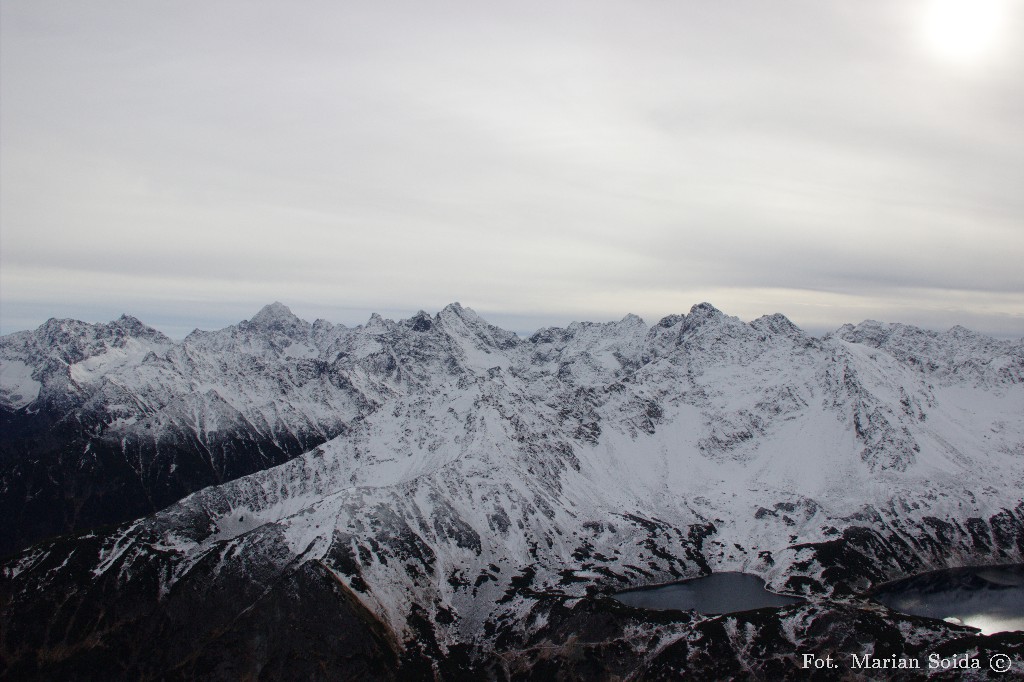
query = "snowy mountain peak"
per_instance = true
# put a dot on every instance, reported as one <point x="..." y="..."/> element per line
<point x="375" y="322"/>
<point x="669" y="321"/>
<point x="321" y="326"/>
<point x="274" y="315"/>
<point x="705" y="315"/>
<point x="777" y="324"/>
<point x="420" y="322"/>
<point x="632" y="319"/>
<point x="952" y="356"/>
<point x="456" y="310"/>
<point x="72" y="341"/>
<point x="959" y="332"/>
<point x="460" y="321"/>
<point x="136" y="328"/>
<point x="124" y="326"/>
<point x="705" y="309"/>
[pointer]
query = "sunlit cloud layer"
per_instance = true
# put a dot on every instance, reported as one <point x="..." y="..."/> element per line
<point x="189" y="162"/>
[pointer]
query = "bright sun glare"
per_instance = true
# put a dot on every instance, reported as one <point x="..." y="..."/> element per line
<point x="963" y="31"/>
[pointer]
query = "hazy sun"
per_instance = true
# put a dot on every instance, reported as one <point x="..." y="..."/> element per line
<point x="963" y="31"/>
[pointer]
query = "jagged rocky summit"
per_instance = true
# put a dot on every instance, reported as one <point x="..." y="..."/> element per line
<point x="440" y="497"/>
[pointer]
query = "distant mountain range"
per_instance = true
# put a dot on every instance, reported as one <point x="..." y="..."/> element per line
<point x="440" y="497"/>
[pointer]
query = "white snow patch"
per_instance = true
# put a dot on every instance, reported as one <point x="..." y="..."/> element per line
<point x="17" y="387"/>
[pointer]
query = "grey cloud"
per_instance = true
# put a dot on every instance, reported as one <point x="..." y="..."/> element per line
<point x="571" y="160"/>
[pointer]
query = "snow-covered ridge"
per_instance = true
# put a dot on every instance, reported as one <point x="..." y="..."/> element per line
<point x="62" y="352"/>
<point x="953" y="356"/>
<point x="280" y="378"/>
<point x="468" y="468"/>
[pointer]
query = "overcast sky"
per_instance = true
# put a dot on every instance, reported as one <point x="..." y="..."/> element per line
<point x="541" y="162"/>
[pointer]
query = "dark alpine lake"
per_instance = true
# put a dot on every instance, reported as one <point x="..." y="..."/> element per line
<point x="713" y="594"/>
<point x="990" y="598"/>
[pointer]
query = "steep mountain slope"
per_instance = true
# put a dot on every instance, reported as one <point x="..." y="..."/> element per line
<point x="105" y="423"/>
<point x="480" y="485"/>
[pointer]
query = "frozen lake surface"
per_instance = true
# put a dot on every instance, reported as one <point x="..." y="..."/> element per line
<point x="990" y="598"/>
<point x="713" y="594"/>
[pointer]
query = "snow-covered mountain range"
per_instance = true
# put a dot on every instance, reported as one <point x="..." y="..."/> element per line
<point x="452" y="495"/>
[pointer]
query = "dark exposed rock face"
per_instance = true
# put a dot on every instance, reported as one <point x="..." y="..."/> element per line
<point x="64" y="473"/>
<point x="237" y="616"/>
<point x="600" y="639"/>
